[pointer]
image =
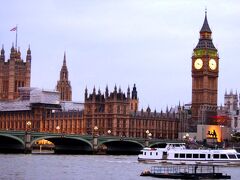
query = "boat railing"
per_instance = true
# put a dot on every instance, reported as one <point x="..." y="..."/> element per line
<point x="170" y="146"/>
<point x="193" y="169"/>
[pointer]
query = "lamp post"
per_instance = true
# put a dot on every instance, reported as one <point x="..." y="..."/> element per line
<point x="184" y="137"/>
<point x="109" y="132"/>
<point x="148" y="134"/>
<point x="95" y="139"/>
<point x="28" y="125"/>
<point x="95" y="129"/>
<point x="28" y="138"/>
<point x="58" y="128"/>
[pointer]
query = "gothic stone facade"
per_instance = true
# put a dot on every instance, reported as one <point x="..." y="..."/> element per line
<point x="119" y="113"/>
<point x="14" y="73"/>
<point x="113" y="111"/>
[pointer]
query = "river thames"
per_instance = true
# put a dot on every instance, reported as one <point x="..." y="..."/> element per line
<point x="83" y="167"/>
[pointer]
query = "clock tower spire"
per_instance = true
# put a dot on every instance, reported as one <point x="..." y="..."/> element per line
<point x="205" y="69"/>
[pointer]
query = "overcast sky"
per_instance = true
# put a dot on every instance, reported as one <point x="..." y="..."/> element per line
<point x="122" y="42"/>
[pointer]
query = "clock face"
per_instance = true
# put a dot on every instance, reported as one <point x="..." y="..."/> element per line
<point x="212" y="64"/>
<point x="198" y="64"/>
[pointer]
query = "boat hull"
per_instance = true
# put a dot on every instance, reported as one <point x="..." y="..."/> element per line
<point x="189" y="162"/>
<point x="188" y="176"/>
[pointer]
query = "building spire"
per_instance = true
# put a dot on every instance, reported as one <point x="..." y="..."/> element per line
<point x="205" y="40"/>
<point x="86" y="93"/>
<point x="64" y="59"/>
<point x="106" y="92"/>
<point x="2" y="54"/>
<point x="29" y="56"/>
<point x="64" y="85"/>
<point x="205" y="27"/>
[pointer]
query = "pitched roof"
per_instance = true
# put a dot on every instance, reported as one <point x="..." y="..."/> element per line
<point x="205" y="27"/>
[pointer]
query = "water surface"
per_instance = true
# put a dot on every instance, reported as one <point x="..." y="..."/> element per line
<point x="83" y="167"/>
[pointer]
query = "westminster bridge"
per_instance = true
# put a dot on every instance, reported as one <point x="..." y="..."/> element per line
<point x="26" y="141"/>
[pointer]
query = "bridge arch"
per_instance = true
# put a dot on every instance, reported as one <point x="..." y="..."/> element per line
<point x="11" y="144"/>
<point x="115" y="146"/>
<point x="73" y="145"/>
<point x="158" y="145"/>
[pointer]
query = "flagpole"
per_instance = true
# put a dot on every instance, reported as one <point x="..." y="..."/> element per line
<point x="16" y="36"/>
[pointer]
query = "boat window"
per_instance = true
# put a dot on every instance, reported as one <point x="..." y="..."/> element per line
<point x="202" y="156"/>
<point x="223" y="156"/>
<point x="156" y="153"/>
<point x="232" y="156"/>
<point x="150" y="153"/>
<point x="195" y="155"/>
<point x="238" y="155"/>
<point x="216" y="156"/>
<point x="175" y="155"/>
<point x="209" y="156"/>
<point x="182" y="155"/>
<point x="145" y="153"/>
<point x="189" y="155"/>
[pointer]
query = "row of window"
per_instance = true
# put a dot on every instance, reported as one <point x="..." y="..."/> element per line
<point x="203" y="156"/>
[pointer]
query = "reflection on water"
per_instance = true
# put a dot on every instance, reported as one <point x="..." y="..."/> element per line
<point x="78" y="167"/>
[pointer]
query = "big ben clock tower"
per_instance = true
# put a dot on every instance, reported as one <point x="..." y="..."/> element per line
<point x="205" y="68"/>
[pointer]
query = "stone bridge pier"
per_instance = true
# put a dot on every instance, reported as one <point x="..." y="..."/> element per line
<point x="28" y="148"/>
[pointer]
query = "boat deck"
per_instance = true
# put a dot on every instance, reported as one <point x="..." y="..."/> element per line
<point x="186" y="172"/>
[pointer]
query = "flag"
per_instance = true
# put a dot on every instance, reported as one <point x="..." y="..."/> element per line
<point x="14" y="29"/>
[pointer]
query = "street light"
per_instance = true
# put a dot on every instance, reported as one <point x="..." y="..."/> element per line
<point x="147" y="132"/>
<point x="109" y="132"/>
<point x="147" y="138"/>
<point x="95" y="129"/>
<point x="28" y="138"/>
<point x="95" y="139"/>
<point x="58" y="128"/>
<point x="149" y="135"/>
<point x="28" y="125"/>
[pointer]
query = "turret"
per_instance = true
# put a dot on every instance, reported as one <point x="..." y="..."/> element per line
<point x="94" y="91"/>
<point x="128" y="93"/>
<point x="106" y="92"/>
<point x="13" y="53"/>
<point x="86" y="93"/>
<point x="148" y="110"/>
<point x="18" y="54"/>
<point x="2" y="54"/>
<point x="134" y="92"/>
<point x="29" y="56"/>
<point x="134" y="100"/>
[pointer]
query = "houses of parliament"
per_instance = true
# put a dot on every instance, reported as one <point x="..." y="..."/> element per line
<point x="113" y="112"/>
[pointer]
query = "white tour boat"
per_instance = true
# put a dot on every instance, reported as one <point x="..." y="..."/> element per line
<point x="176" y="153"/>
